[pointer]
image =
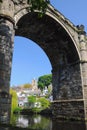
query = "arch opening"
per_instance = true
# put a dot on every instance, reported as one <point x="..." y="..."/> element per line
<point x="29" y="62"/>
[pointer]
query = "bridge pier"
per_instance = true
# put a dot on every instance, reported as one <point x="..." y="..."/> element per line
<point x="69" y="109"/>
<point x="70" y="86"/>
<point x="68" y="92"/>
<point x="5" y="107"/>
<point x="6" y="51"/>
<point x="83" y="52"/>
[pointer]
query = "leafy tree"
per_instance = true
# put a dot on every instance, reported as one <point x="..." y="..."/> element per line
<point x="32" y="99"/>
<point x="27" y="86"/>
<point x="40" y="5"/>
<point x="14" y="102"/>
<point x="40" y="85"/>
<point x="44" y="102"/>
<point x="44" y="81"/>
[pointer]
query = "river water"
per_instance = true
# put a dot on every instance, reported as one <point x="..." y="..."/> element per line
<point x="39" y="122"/>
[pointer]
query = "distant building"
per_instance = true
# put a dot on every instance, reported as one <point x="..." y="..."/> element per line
<point x="23" y="93"/>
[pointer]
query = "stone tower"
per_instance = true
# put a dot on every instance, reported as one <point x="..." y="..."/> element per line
<point x="34" y="84"/>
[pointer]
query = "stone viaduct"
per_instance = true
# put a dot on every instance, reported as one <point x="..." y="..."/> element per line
<point x="65" y="45"/>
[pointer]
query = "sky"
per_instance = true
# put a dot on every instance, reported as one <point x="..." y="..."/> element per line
<point x="29" y="60"/>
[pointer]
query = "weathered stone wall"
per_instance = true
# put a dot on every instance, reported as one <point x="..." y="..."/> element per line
<point x="68" y="83"/>
<point x="68" y="92"/>
<point x="68" y="125"/>
<point x="5" y="107"/>
<point x="6" y="43"/>
<point x="6" y="50"/>
<point x="7" y="8"/>
<point x="69" y="109"/>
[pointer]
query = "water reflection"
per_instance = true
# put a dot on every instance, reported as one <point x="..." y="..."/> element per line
<point x="22" y="122"/>
<point x="34" y="122"/>
<point x="2" y="128"/>
<point x="39" y="122"/>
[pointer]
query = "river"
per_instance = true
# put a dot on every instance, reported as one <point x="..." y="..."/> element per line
<point x="39" y="122"/>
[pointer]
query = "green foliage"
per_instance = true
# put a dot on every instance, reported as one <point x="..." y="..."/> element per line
<point x="17" y="110"/>
<point x="40" y="5"/>
<point x="32" y="99"/>
<point x="41" y="85"/>
<point x="14" y="102"/>
<point x="44" y="103"/>
<point x="27" y="86"/>
<point x="44" y="81"/>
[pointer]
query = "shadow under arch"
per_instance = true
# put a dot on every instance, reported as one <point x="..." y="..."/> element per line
<point x="49" y="35"/>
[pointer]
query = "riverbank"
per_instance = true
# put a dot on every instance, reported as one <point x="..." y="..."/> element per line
<point x="44" y="112"/>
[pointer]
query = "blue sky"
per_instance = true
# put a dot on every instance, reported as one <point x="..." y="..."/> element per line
<point x="29" y="60"/>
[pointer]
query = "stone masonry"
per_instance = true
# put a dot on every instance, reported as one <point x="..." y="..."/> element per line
<point x="6" y="50"/>
<point x="65" y="45"/>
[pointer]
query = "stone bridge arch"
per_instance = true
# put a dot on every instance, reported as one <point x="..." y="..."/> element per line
<point x="52" y="36"/>
<point x="65" y="46"/>
<point x="54" y="14"/>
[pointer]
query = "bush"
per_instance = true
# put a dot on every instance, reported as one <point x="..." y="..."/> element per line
<point x="44" y="103"/>
<point x="14" y="103"/>
<point x="17" y="110"/>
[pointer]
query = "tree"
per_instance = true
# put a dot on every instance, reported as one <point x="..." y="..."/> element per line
<point x="44" y="103"/>
<point x="32" y="99"/>
<point x="26" y="86"/>
<point x="40" y="5"/>
<point x="14" y="103"/>
<point x="44" y="81"/>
